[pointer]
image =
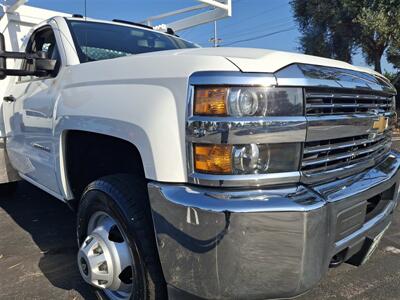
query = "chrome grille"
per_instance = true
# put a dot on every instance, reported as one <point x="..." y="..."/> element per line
<point x="328" y="155"/>
<point x="323" y="102"/>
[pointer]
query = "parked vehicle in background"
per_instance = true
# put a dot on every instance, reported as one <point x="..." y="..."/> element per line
<point x="197" y="173"/>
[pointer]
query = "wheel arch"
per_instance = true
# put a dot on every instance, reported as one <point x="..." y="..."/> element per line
<point x="109" y="137"/>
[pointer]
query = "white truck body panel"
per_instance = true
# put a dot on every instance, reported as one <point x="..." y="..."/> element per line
<point x="132" y="104"/>
<point x="265" y="60"/>
<point x="15" y="25"/>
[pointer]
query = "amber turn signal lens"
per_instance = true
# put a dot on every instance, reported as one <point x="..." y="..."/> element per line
<point x="209" y="101"/>
<point x="215" y="159"/>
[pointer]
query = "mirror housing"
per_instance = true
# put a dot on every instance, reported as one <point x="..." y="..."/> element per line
<point x="42" y="65"/>
<point x="45" y="64"/>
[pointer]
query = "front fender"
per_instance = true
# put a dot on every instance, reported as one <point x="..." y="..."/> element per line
<point x="141" y="99"/>
<point x="151" y="126"/>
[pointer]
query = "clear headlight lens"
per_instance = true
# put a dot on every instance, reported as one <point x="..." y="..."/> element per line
<point x="246" y="159"/>
<point x="244" y="101"/>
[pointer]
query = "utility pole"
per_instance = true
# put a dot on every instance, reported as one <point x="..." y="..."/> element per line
<point x="215" y="35"/>
<point x="215" y="40"/>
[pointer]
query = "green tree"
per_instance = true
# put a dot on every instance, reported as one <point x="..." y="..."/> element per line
<point x="379" y="23"/>
<point x="326" y="28"/>
<point x="393" y="55"/>
<point x="392" y="76"/>
<point x="373" y="26"/>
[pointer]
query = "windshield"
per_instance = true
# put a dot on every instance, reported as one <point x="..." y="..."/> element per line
<point x="98" y="41"/>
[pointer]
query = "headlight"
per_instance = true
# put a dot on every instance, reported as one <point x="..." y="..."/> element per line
<point x="247" y="101"/>
<point x="246" y="159"/>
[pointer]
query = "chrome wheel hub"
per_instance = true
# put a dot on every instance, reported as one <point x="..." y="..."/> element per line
<point x="104" y="259"/>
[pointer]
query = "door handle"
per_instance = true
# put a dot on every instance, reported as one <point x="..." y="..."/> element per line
<point x="10" y="98"/>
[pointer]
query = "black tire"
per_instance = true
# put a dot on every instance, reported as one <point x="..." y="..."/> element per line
<point x="8" y="189"/>
<point x="125" y="198"/>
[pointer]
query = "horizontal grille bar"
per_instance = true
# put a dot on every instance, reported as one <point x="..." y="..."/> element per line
<point x="354" y="141"/>
<point x="344" y="96"/>
<point x="328" y="103"/>
<point x="355" y="106"/>
<point x="329" y="155"/>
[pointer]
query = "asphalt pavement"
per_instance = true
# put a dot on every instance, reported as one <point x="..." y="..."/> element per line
<point x="38" y="248"/>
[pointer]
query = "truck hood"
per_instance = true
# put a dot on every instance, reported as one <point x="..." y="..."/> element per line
<point x="267" y="61"/>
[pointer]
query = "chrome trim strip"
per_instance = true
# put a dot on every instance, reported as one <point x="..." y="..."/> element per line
<point x="246" y="130"/>
<point x="336" y="95"/>
<point x="253" y="180"/>
<point x="41" y="147"/>
<point x="355" y="105"/>
<point x="232" y="78"/>
<point x="280" y="199"/>
<point x="322" y="76"/>
<point x="340" y="126"/>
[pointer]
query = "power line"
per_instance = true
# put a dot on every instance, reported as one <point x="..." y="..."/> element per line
<point x="252" y="27"/>
<point x="238" y="21"/>
<point x="235" y="35"/>
<point x="233" y="41"/>
<point x="260" y="36"/>
<point x="231" y="36"/>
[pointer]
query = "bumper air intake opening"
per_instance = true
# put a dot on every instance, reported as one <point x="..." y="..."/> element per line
<point x="338" y="259"/>
<point x="377" y="204"/>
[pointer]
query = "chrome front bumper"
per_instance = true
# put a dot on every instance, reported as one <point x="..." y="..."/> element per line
<point x="267" y="243"/>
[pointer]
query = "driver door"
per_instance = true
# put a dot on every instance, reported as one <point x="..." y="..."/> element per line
<point x="30" y="104"/>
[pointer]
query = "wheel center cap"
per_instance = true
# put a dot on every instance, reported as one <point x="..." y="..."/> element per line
<point x="95" y="262"/>
<point x="104" y="258"/>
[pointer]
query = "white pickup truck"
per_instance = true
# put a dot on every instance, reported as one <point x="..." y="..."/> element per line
<point x="224" y="173"/>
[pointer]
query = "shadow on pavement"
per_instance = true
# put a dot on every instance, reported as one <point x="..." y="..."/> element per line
<point x="51" y="224"/>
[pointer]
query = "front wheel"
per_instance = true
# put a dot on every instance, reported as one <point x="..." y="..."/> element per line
<point x="117" y="252"/>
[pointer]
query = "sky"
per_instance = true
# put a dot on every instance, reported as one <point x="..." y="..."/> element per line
<point x="254" y="23"/>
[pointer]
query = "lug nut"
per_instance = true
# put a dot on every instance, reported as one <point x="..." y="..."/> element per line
<point x="103" y="267"/>
<point x="98" y="250"/>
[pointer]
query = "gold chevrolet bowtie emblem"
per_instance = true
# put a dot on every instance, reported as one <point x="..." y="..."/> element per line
<point x="381" y="124"/>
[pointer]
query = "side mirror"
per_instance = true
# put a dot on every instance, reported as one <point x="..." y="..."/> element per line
<point x="42" y="65"/>
<point x="46" y="65"/>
